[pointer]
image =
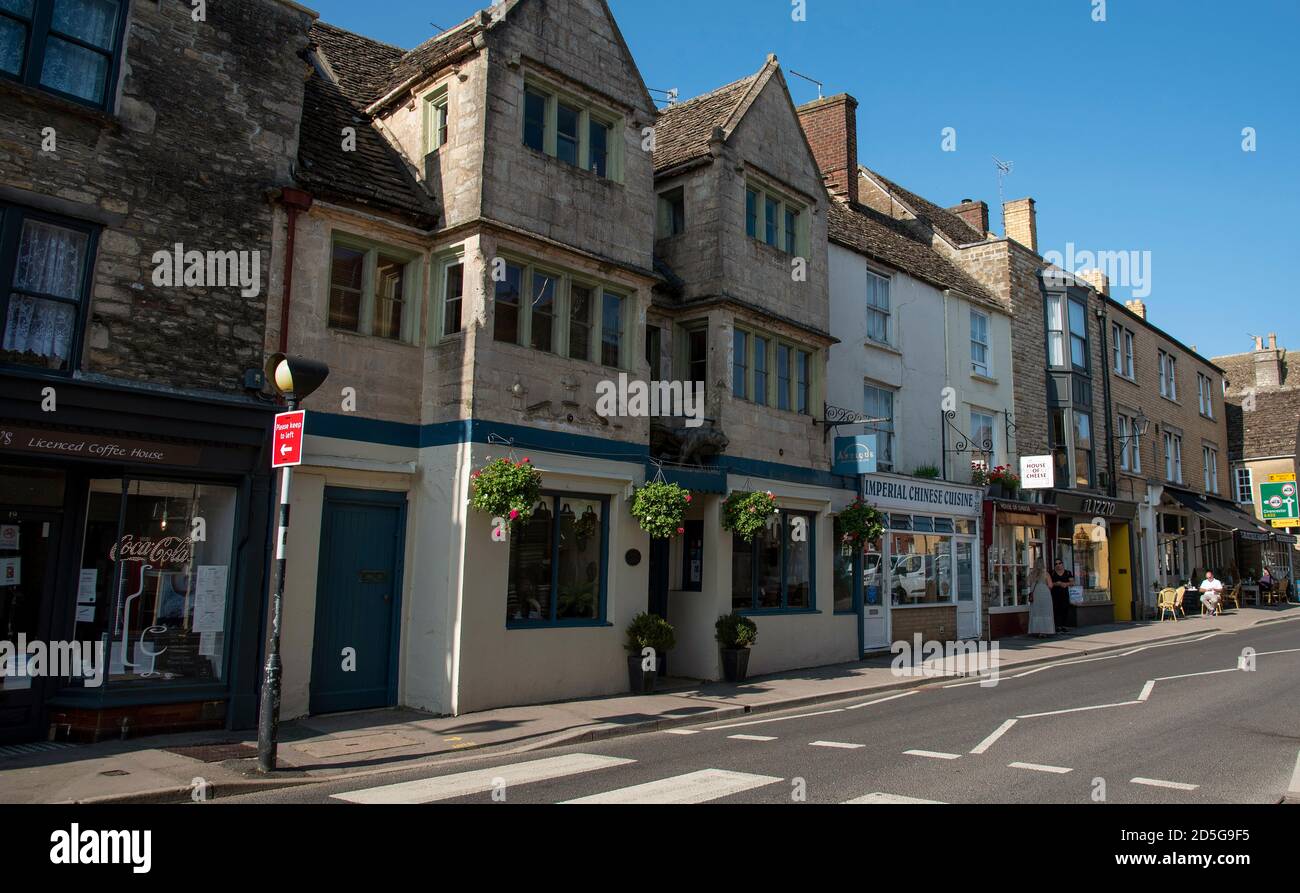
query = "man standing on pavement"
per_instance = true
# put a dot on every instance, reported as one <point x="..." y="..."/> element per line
<point x="1062" y="579"/>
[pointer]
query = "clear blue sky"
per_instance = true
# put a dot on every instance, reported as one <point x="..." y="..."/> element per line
<point x="1127" y="132"/>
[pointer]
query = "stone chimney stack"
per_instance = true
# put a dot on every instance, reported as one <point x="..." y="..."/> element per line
<point x="1268" y="363"/>
<point x="831" y="125"/>
<point x="1021" y="222"/>
<point x="975" y="214"/>
<point x="1097" y="279"/>
<point x="1138" y="307"/>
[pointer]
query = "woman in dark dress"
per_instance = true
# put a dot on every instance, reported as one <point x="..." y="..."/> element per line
<point x="1062" y="579"/>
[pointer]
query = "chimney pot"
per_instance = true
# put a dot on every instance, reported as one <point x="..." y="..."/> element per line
<point x="1272" y="340"/>
<point x="1020" y="220"/>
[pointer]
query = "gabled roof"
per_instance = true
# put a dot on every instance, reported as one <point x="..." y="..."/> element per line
<point x="1240" y="369"/>
<point x="942" y="221"/>
<point x="683" y="131"/>
<point x="360" y="65"/>
<point x="870" y="233"/>
<point x="373" y="175"/>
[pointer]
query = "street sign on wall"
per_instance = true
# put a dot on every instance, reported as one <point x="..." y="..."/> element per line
<point x="855" y="455"/>
<point x="1278" y="501"/>
<point x="1037" y="473"/>
<point x="286" y="445"/>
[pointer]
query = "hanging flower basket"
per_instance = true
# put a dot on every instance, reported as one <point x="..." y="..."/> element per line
<point x="861" y="523"/>
<point x="506" y="489"/>
<point x="746" y="512"/>
<point x="659" y="508"/>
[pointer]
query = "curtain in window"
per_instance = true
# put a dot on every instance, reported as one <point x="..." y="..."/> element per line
<point x="69" y="67"/>
<point x="50" y="262"/>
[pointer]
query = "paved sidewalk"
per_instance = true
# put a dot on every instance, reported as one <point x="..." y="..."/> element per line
<point x="171" y="768"/>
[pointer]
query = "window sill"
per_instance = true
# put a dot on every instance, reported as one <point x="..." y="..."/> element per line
<point x="45" y="102"/>
<point x="573" y="168"/>
<point x="345" y="335"/>
<point x="882" y="346"/>
<point x="587" y="364"/>
<point x="898" y="607"/>
<point x="772" y="612"/>
<point x="980" y="376"/>
<point x="1173" y="400"/>
<point x="559" y="624"/>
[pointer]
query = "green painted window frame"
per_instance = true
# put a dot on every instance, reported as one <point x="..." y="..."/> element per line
<point x="758" y="200"/>
<point x="436" y="134"/>
<point x="562" y="320"/>
<point x="797" y="391"/>
<point x="443" y="264"/>
<point x="413" y="286"/>
<point x="589" y="114"/>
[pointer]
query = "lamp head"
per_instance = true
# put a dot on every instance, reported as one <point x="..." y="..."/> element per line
<point x="295" y="377"/>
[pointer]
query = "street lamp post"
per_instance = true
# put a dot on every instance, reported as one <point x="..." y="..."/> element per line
<point x="295" y="379"/>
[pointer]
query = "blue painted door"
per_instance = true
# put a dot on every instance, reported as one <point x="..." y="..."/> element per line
<point x="358" y="590"/>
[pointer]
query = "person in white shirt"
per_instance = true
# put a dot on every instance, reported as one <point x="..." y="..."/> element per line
<point x="1211" y="593"/>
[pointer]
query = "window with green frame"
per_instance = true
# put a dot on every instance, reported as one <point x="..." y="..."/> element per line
<point x="374" y="289"/>
<point x="572" y="130"/>
<point x="559" y="563"/>
<point x="451" y="285"/>
<point x="770" y="372"/>
<point x="776" y="571"/>
<point x="774" y="220"/>
<point x="436" y="111"/>
<point x="560" y="313"/>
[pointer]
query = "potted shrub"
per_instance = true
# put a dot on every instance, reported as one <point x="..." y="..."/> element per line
<point x="735" y="633"/>
<point x="927" y="472"/>
<point x="659" y="509"/>
<point x="647" y="631"/>
<point x="746" y="512"/>
<point x="506" y="489"/>
<point x="1006" y="480"/>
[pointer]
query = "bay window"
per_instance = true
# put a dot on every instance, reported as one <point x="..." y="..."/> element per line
<point x="572" y="130"/>
<point x="45" y="273"/>
<point x="560" y="313"/>
<point x="1067" y="318"/>
<point x="374" y="290"/>
<point x="1083" y="452"/>
<point x="755" y="357"/>
<point x="453" y="296"/>
<point x="774" y="220"/>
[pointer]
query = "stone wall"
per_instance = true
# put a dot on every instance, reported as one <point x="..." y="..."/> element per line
<point x="206" y="123"/>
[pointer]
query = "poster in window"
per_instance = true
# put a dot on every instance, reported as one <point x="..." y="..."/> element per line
<point x="11" y="571"/>
<point x="9" y="534"/>
<point x="210" y="599"/>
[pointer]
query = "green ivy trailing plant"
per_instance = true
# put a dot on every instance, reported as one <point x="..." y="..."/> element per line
<point x="861" y="523"/>
<point x="746" y="512"/>
<point x="659" y="508"/>
<point x="506" y="489"/>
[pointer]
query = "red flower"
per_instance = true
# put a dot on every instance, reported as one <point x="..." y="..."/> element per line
<point x="527" y="460"/>
<point x="681" y="529"/>
<point x="688" y="498"/>
<point x="514" y="513"/>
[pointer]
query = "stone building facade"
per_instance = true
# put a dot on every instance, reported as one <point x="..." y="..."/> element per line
<point x="135" y="250"/>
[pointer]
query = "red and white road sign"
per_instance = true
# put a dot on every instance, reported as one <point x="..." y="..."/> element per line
<point x="286" y="447"/>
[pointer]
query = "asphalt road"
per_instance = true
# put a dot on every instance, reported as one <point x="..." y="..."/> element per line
<point x="1173" y="723"/>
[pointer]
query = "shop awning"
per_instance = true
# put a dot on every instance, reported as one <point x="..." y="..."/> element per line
<point x="1223" y="513"/>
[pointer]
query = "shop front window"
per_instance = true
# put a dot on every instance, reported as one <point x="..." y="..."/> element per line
<point x="557" y="563"/>
<point x="1086" y="552"/>
<point x="155" y="579"/>
<point x="921" y="569"/>
<point x="1016" y="552"/>
<point x="775" y="571"/>
<point x="844" y="553"/>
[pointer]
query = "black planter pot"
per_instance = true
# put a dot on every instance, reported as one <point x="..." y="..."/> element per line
<point x="735" y="664"/>
<point x="641" y="682"/>
<point x="997" y="491"/>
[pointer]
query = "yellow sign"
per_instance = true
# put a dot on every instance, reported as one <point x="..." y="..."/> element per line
<point x="1286" y="522"/>
<point x="1280" y="478"/>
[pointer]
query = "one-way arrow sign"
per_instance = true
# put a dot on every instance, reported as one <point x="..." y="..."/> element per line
<point x="287" y="447"/>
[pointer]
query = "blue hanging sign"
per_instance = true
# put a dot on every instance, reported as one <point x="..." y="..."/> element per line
<point x="855" y="455"/>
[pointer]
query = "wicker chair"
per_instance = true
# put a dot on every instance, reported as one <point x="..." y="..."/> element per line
<point x="1233" y="595"/>
<point x="1168" y="601"/>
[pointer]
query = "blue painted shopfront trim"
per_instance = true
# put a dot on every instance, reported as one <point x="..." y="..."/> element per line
<point x="401" y="434"/>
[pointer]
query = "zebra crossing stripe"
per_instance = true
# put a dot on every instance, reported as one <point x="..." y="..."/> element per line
<point x="461" y="784"/>
<point x="693" y="787"/>
<point x="882" y="797"/>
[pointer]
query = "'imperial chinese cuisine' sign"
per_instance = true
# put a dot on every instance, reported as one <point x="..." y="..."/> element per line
<point x="169" y="551"/>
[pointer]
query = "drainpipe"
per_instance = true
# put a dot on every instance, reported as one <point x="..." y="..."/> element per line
<point x="294" y="201"/>
<point x="1112" y="486"/>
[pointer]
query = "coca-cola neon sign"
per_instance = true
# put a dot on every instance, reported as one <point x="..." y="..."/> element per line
<point x="169" y="550"/>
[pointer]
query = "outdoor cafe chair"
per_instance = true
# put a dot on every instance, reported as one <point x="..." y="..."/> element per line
<point x="1234" y="596"/>
<point x="1168" y="601"/>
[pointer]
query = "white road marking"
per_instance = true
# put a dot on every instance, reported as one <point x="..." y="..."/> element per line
<point x="461" y="784"/>
<point x="755" y="722"/>
<point x="882" y="797"/>
<point x="997" y="733"/>
<point x="905" y="694"/>
<point x="752" y="737"/>
<point x="934" y="754"/>
<point x="1157" y="783"/>
<point x="1190" y="675"/>
<point x="1076" y="709"/>
<point x="1038" y="767"/>
<point x="693" y="787"/>
<point x="1146" y="690"/>
<point x="1283" y="651"/>
<point x="682" y="731"/>
<point x="840" y="744"/>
